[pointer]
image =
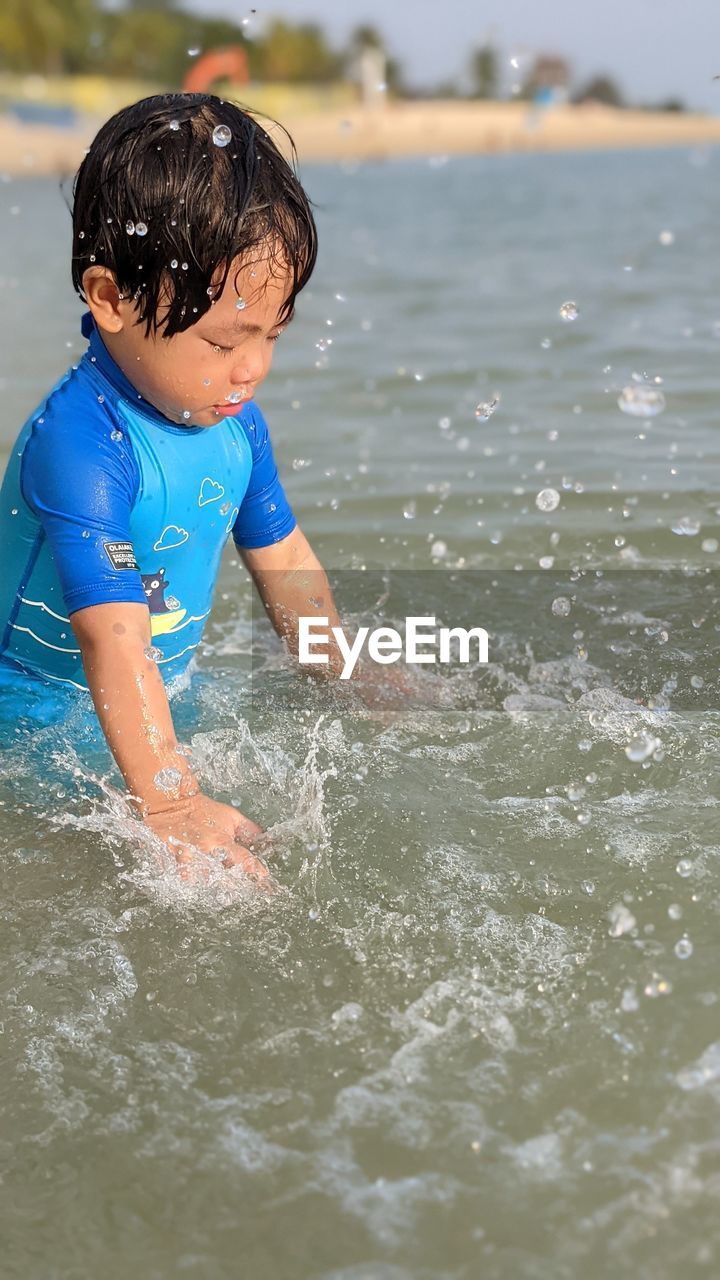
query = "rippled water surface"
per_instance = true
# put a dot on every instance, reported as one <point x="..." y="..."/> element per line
<point x="476" y="1031"/>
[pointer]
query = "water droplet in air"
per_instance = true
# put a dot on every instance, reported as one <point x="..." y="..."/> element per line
<point x="224" y="508"/>
<point x="152" y="653"/>
<point x="14" y="511"/>
<point x="486" y="409"/>
<point x="569" y="311"/>
<point x="186" y="414"/>
<point x="116" y="436"/>
<point x="221" y="135"/>
<point x="184" y="266"/>
<point x="168" y="779"/>
<point x="174" y="125"/>
<point x="547" y="500"/>
<point x="140" y="229"/>
<point x="240" y="305"/>
<point x="686" y="526"/>
<point x="86" y="533"/>
<point x="174" y="263"/>
<point x="683" y="948"/>
<point x="641" y="746"/>
<point x="710" y="545"/>
<point x="438" y="550"/>
<point x="194" y="51"/>
<point x="409" y="510"/>
<point x="561" y="607"/>
<point x="684" y="868"/>
<point x="101" y="399"/>
<point x="621" y="920"/>
<point x="667" y="237"/>
<point x="641" y="401"/>
<point x="81" y="235"/>
<point x="235" y="397"/>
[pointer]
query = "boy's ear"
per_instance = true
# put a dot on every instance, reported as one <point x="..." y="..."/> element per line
<point x="103" y="298"/>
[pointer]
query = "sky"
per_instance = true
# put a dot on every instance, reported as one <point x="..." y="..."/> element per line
<point x="654" y="49"/>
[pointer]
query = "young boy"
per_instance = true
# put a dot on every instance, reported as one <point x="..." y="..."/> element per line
<point x="192" y="237"/>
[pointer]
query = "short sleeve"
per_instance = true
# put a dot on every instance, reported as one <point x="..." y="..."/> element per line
<point x="80" y="477"/>
<point x="265" y="515"/>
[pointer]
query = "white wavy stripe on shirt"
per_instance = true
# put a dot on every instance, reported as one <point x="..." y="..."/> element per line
<point x="40" y="604"/>
<point x="63" y="680"/>
<point x="172" y="656"/>
<point x="59" y="647"/>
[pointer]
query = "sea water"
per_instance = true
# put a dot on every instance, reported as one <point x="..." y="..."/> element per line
<point x="475" y="1031"/>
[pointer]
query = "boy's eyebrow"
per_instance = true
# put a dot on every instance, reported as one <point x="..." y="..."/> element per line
<point x="246" y="326"/>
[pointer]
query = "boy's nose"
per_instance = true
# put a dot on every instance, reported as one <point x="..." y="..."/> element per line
<point x="250" y="369"/>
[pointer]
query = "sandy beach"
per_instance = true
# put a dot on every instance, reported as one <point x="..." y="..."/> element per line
<point x="405" y="129"/>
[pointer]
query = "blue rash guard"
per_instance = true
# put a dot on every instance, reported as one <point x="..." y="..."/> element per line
<point x="106" y="500"/>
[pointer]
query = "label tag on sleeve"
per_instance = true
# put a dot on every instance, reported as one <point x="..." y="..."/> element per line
<point x="121" y="555"/>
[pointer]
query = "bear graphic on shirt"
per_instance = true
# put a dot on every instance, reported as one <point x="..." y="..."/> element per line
<point x="165" y="614"/>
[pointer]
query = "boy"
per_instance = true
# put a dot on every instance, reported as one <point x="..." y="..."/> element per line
<point x="191" y="239"/>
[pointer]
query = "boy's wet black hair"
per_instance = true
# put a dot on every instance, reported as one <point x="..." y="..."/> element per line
<point x="155" y="165"/>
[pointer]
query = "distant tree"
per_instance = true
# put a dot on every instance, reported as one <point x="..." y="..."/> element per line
<point x="602" y="89"/>
<point x="297" y="54"/>
<point x="484" y="73"/>
<point x="671" y="104"/>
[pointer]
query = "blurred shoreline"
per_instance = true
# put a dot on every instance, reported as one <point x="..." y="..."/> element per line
<point x="396" y="129"/>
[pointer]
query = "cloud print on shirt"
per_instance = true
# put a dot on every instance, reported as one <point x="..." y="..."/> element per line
<point x="210" y="491"/>
<point x="171" y="536"/>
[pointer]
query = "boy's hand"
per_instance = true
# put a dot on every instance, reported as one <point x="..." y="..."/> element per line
<point x="199" y="824"/>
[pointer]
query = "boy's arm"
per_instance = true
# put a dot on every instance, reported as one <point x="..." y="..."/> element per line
<point x="133" y="710"/>
<point x="292" y="583"/>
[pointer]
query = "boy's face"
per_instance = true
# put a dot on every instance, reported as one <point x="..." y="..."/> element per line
<point x="206" y="374"/>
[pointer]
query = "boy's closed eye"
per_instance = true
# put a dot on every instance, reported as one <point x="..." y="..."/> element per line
<point x="226" y="351"/>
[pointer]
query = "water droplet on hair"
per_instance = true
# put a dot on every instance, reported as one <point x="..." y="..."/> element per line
<point x="129" y="227"/>
<point x="174" y="263"/>
<point x="569" y="311"/>
<point x="641" y="401"/>
<point x="92" y="257"/>
<point x="240" y="305"/>
<point x="221" y="135"/>
<point x="140" y="229"/>
<point x="81" y="235"/>
<point x="547" y="500"/>
<point x="174" y="125"/>
<point x="486" y="410"/>
<point x="184" y="266"/>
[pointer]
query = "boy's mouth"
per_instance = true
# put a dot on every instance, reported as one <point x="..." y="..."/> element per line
<point x="234" y="402"/>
